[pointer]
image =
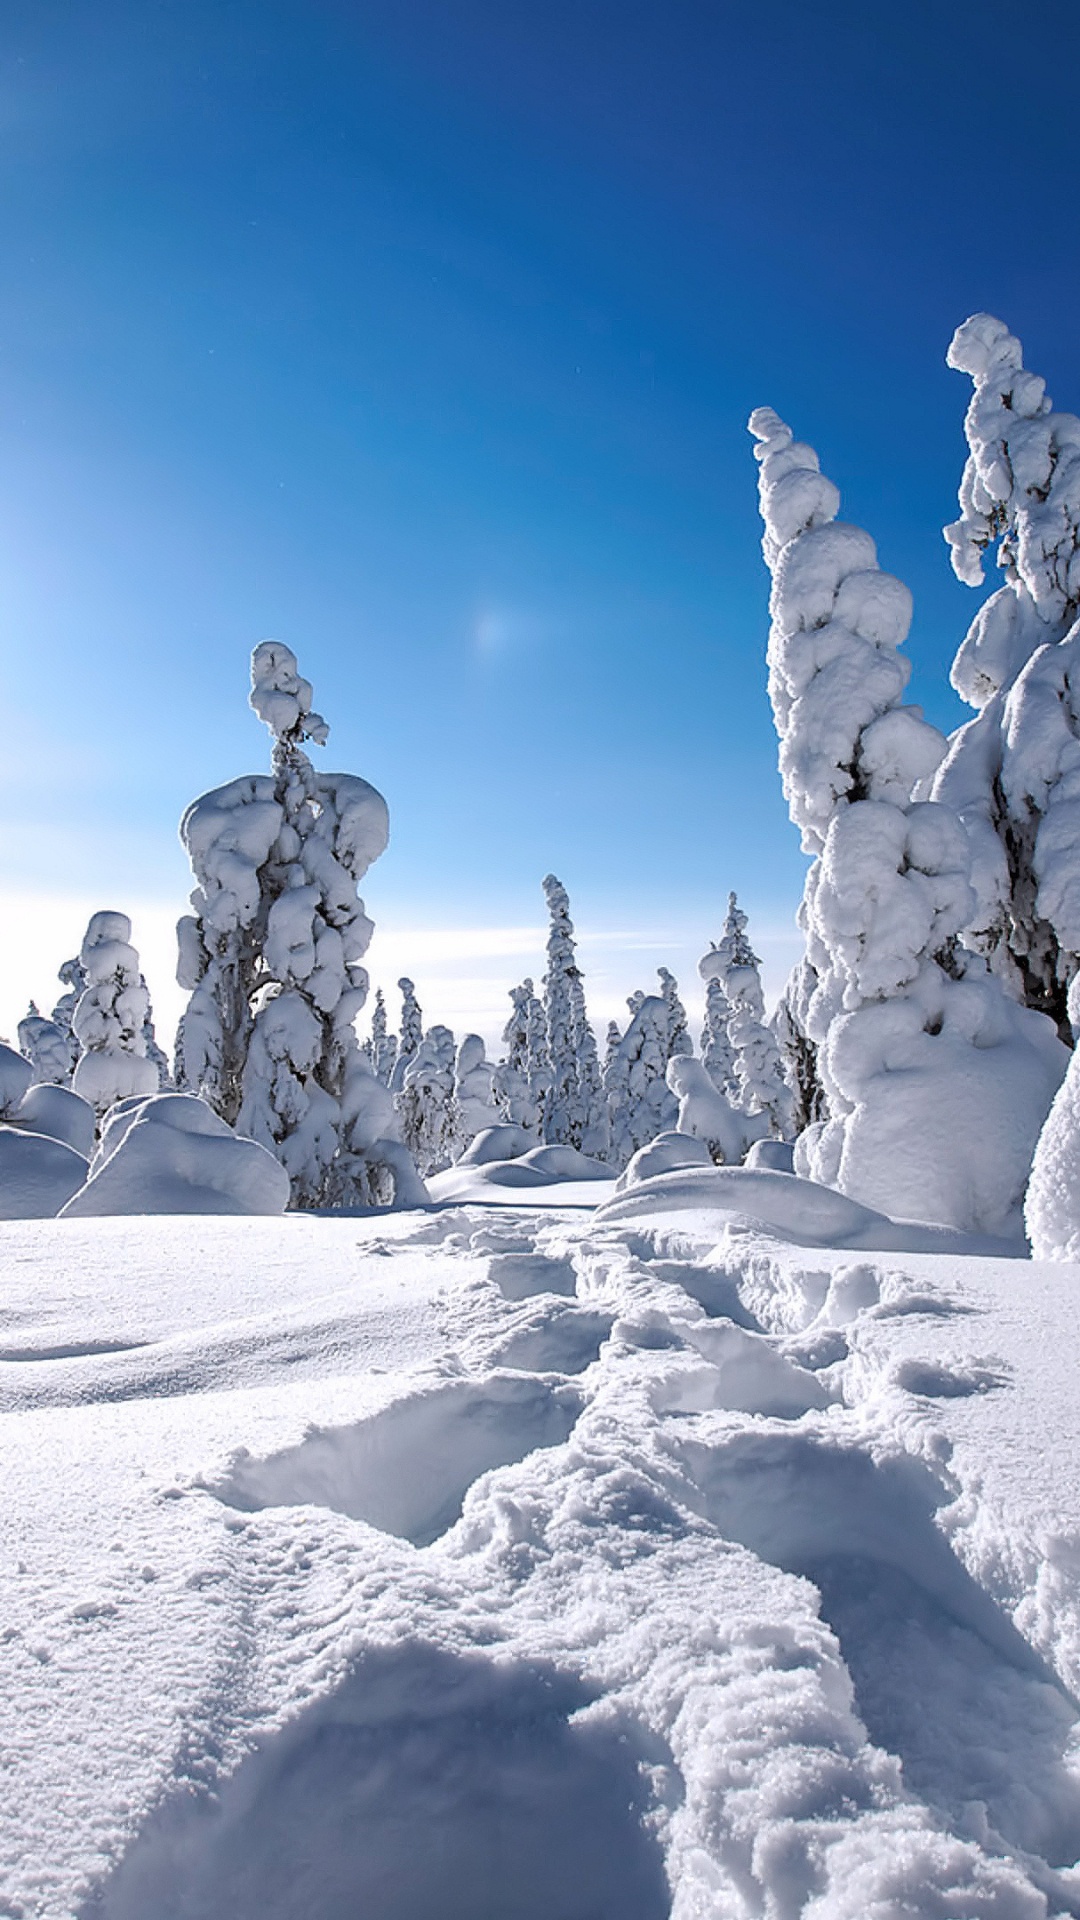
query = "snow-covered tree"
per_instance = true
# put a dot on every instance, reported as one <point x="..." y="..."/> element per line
<point x="412" y="1033"/>
<point x="431" y="1125"/>
<point x="1013" y="773"/>
<point x="937" y="1083"/>
<point x="272" y="953"/>
<point x="517" y="1086"/>
<point x="640" y="1103"/>
<point x="48" y="1048"/>
<point x="72" y="975"/>
<point x="717" y="1053"/>
<point x="756" y="1081"/>
<point x="797" y="1051"/>
<point x="474" y="1077"/>
<point x="679" y="1040"/>
<point x="110" y="1019"/>
<point x="611" y="1045"/>
<point x="564" y="1111"/>
<point x="382" y="1046"/>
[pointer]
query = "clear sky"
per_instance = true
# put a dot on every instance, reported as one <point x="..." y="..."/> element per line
<point x="421" y="334"/>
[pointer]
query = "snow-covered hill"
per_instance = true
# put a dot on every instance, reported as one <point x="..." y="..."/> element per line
<point x="514" y="1562"/>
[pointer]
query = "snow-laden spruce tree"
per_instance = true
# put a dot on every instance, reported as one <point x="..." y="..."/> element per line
<point x="431" y="1124"/>
<point x="717" y="1052"/>
<point x="1014" y="771"/>
<point x="110" y="1018"/>
<point x="272" y="952"/>
<point x="47" y="1047"/>
<point x="937" y="1082"/>
<point x="679" y="1040"/>
<point x="640" y="1102"/>
<point x="564" y="1112"/>
<point x="382" y="1045"/>
<point x="474" y="1088"/>
<point x="757" y="1083"/>
<point x="72" y="975"/>
<point x="410" y="1036"/>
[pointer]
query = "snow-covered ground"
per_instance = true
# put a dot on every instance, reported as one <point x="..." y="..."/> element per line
<point x="510" y="1562"/>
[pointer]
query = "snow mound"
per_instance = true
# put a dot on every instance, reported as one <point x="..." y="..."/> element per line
<point x="16" y="1073"/>
<point x="496" y="1143"/>
<point x="799" y="1211"/>
<point x="60" y="1114"/>
<point x="37" y="1174"/>
<point x="668" y="1153"/>
<point x="541" y="1167"/>
<point x="172" y="1154"/>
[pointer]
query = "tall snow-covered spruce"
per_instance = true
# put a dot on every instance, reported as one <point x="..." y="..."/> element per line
<point x="574" y="1109"/>
<point x="272" y="952"/>
<point x="1014" y="771"/>
<point x="937" y="1083"/>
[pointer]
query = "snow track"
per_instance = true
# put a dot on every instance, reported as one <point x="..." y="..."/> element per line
<point x="525" y="1566"/>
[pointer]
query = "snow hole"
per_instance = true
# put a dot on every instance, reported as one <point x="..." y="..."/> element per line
<point x="428" y="1787"/>
<point x="567" y="1340"/>
<point x="407" y="1470"/>
<point x="518" y="1275"/>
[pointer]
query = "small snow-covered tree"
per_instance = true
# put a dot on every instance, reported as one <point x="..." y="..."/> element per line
<point x="937" y="1083"/>
<point x="757" y="1072"/>
<point x="797" y="1051"/>
<point x="679" y="1040"/>
<point x="272" y="953"/>
<point x="474" y="1078"/>
<point x="110" y="1018"/>
<point x="72" y="975"/>
<point x="611" y="1044"/>
<point x="515" y="1089"/>
<point x="640" y="1103"/>
<point x="383" y="1045"/>
<point x="431" y="1125"/>
<point x="1013" y="773"/>
<point x="717" y="1052"/>
<point x="412" y="1033"/>
<point x="48" y="1048"/>
<point x="1052" y="1203"/>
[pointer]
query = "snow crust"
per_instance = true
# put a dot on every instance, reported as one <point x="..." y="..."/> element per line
<point x="514" y="1564"/>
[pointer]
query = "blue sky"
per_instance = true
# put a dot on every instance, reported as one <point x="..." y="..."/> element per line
<point x="421" y="334"/>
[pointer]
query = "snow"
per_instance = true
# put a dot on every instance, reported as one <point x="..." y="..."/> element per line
<point x="523" y="1563"/>
<point x="172" y="1154"/>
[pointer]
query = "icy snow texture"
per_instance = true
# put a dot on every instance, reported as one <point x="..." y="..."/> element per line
<point x="937" y="1083"/>
<point x="1014" y="772"/>
<point x="172" y="1154"/>
<point x="273" y="950"/>
<point x="110" y="1019"/>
